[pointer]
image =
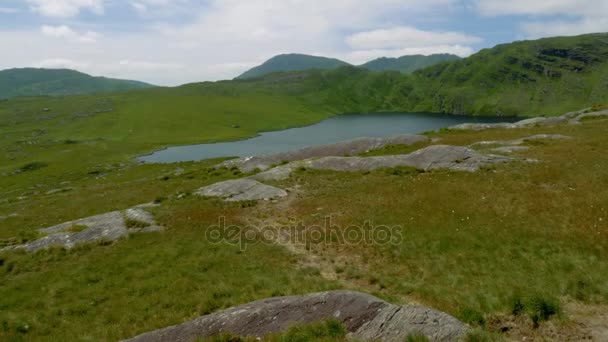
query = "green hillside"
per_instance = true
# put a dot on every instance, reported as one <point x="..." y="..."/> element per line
<point x="292" y="62"/>
<point x="52" y="82"/>
<point x="407" y="64"/>
<point x="546" y="76"/>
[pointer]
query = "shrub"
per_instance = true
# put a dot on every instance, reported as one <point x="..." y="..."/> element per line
<point x="472" y="316"/>
<point x="33" y="166"/>
<point x="543" y="308"/>
<point x="131" y="223"/>
<point x="517" y="305"/>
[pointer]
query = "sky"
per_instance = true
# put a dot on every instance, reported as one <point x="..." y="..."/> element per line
<point x="172" y="42"/>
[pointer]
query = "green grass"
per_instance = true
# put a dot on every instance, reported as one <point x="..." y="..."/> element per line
<point x="471" y="242"/>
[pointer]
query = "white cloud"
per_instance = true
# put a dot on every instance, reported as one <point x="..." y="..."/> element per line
<point x="60" y="63"/>
<point x="407" y="37"/>
<point x="543" y="7"/>
<point x="148" y="66"/>
<point x="65" y="8"/>
<point x="578" y="16"/>
<point x="537" y="29"/>
<point x="64" y="31"/>
<point x="222" y="38"/>
<point x="139" y="7"/>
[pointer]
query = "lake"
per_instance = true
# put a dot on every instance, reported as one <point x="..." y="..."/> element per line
<point x="333" y="130"/>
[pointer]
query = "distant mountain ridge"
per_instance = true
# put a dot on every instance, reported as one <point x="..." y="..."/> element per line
<point x="408" y="64"/>
<point x="292" y="62"/>
<point x="301" y="62"/>
<point x="55" y="82"/>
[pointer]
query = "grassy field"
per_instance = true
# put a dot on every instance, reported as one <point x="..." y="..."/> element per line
<point x="523" y="238"/>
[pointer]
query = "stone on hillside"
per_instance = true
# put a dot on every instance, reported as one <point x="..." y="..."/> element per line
<point x="521" y="141"/>
<point x="345" y="148"/>
<point x="242" y="190"/>
<point x="481" y="126"/>
<point x="594" y="115"/>
<point x="509" y="149"/>
<point x="429" y="158"/>
<point x="105" y="227"/>
<point x="365" y="318"/>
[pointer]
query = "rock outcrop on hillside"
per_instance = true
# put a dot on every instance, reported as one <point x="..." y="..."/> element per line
<point x="105" y="227"/>
<point x="241" y="190"/>
<point x="365" y="317"/>
<point x="346" y="148"/>
<point x="433" y="157"/>
<point x="570" y="118"/>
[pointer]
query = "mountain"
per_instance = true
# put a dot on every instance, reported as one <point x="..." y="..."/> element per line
<point x="292" y="62"/>
<point x="548" y="76"/>
<point x="52" y="82"/>
<point x="407" y="64"/>
<point x="298" y="62"/>
<point x="545" y="76"/>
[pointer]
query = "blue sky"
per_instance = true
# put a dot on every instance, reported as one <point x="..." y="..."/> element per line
<point x="172" y="42"/>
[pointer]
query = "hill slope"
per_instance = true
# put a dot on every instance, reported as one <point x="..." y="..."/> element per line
<point x="51" y="82"/>
<point x="292" y="62"/>
<point x="407" y="64"/>
<point x="546" y="76"/>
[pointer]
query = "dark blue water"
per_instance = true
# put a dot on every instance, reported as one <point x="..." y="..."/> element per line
<point x="339" y="128"/>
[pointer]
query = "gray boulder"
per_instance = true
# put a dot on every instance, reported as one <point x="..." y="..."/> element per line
<point x="521" y="141"/>
<point x="365" y="317"/>
<point x="481" y="126"/>
<point x="594" y="115"/>
<point x="242" y="190"/>
<point x="429" y="158"/>
<point x="105" y="227"/>
<point x="352" y="147"/>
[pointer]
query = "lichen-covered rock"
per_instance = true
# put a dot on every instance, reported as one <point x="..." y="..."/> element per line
<point x="456" y="158"/>
<point x="521" y="141"/>
<point x="346" y="148"/>
<point x="109" y="227"/>
<point x="241" y="190"/>
<point x="365" y="317"/>
<point x="586" y="116"/>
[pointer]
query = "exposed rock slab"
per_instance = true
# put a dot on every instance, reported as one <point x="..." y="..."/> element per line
<point x="364" y="316"/>
<point x="107" y="227"/>
<point x="242" y="190"/>
<point x="429" y="158"/>
<point x="509" y="149"/>
<point x="346" y="148"/>
<point x="570" y="118"/>
<point x="594" y="115"/>
<point x="517" y="142"/>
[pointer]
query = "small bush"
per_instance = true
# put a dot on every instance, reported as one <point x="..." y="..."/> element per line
<point x="131" y="223"/>
<point x="517" y="306"/>
<point x="33" y="166"/>
<point x="472" y="316"/>
<point x="542" y="309"/>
